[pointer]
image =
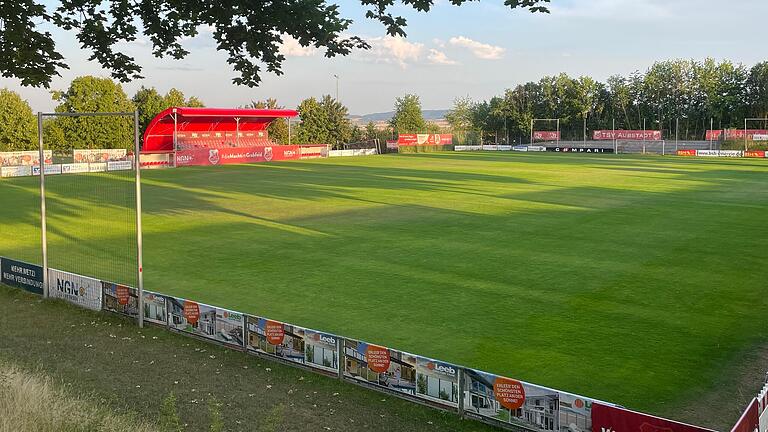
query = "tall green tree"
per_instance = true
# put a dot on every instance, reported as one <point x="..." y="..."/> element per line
<point x="408" y="117"/>
<point x="18" y="125"/>
<point x="323" y="122"/>
<point x="92" y="94"/>
<point x="250" y="36"/>
<point x="278" y="129"/>
<point x="149" y="103"/>
<point x="757" y="90"/>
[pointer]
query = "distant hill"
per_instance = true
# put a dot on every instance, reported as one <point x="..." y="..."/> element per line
<point x="429" y="115"/>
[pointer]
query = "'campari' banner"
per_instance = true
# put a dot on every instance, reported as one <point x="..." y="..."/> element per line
<point x="605" y="418"/>
<point x="546" y="135"/>
<point x="237" y="155"/>
<point x="732" y="134"/>
<point x="628" y="135"/>
<point x="424" y="139"/>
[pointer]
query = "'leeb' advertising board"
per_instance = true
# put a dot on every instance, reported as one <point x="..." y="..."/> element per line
<point x="80" y="290"/>
<point x="437" y="382"/>
<point x="276" y="339"/>
<point x="380" y="366"/>
<point x="125" y="300"/>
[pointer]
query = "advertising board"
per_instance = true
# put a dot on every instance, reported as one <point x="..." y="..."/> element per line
<point x="16" y="171"/>
<point x="467" y="148"/>
<point x="424" y="139"/>
<point x="686" y="152"/>
<point x="206" y="321"/>
<point x="546" y="135"/>
<point x="755" y="153"/>
<point x="124" y="300"/>
<point x="736" y="134"/>
<point x="28" y="158"/>
<point x="81" y="290"/>
<point x="613" y="418"/>
<point x="21" y="275"/>
<point x="627" y="135"/>
<point x="313" y="152"/>
<point x="98" y="155"/>
<point x="380" y="366"/>
<point x="119" y="165"/>
<point x="50" y="169"/>
<point x="97" y="167"/>
<point x="237" y="155"/>
<point x="437" y="382"/>
<point x="74" y="168"/>
<point x="579" y="150"/>
<point x="720" y="153"/>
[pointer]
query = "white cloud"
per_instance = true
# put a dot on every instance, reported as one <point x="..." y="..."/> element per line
<point x="439" y="57"/>
<point x="397" y="50"/>
<point x="479" y="49"/>
<point x="622" y="10"/>
<point x="292" y="48"/>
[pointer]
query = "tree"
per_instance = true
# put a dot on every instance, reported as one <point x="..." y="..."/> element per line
<point x="757" y="90"/>
<point x="323" y="122"/>
<point x="408" y="117"/>
<point x="18" y="125"/>
<point x="370" y="131"/>
<point x="149" y="103"/>
<point x="92" y="94"/>
<point x="278" y="129"/>
<point x="249" y="35"/>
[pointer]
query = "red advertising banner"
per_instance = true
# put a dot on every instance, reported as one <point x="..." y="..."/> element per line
<point x="236" y="155"/>
<point x="627" y="135"/>
<point x="686" y="152"/>
<point x="424" y="139"/>
<point x="754" y="153"/>
<point x="122" y="294"/>
<point x="546" y="135"/>
<point x="733" y="134"/>
<point x="750" y="420"/>
<point x="605" y="418"/>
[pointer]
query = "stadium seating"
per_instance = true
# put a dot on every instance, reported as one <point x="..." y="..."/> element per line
<point x="222" y="140"/>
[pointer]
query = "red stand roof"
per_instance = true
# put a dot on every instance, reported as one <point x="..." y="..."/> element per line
<point x="159" y="133"/>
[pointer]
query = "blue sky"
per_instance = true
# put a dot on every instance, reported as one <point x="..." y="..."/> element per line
<point x="478" y="49"/>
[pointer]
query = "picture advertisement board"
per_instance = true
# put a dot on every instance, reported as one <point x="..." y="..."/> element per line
<point x="237" y="155"/>
<point x="311" y="348"/>
<point x="518" y="403"/>
<point x="424" y="139"/>
<point x="206" y="321"/>
<point x="627" y="135"/>
<point x="120" y="165"/>
<point x="124" y="300"/>
<point x="83" y="291"/>
<point x="380" y="366"/>
<point x="606" y="418"/>
<point x="22" y="275"/>
<point x="546" y="135"/>
<point x="27" y="158"/>
<point x="437" y="382"/>
<point x="16" y="171"/>
<point x="579" y="150"/>
<point x="313" y="152"/>
<point x="736" y="134"/>
<point x="99" y="155"/>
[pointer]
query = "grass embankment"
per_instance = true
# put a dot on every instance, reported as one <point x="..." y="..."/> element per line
<point x="127" y="375"/>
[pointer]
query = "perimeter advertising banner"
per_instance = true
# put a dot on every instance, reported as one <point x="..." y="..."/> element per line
<point x="605" y="418"/>
<point x="737" y="134"/>
<point x="24" y="158"/>
<point x="686" y="152"/>
<point x="237" y="155"/>
<point x="437" y="382"/>
<point x="380" y="366"/>
<point x="75" y="168"/>
<point x="99" y="155"/>
<point x="627" y="135"/>
<point x="50" y="169"/>
<point x="720" y="153"/>
<point x="125" y="300"/>
<point x="579" y="150"/>
<point x="22" y="275"/>
<point x="295" y="344"/>
<point x="750" y="419"/>
<point x="513" y="402"/>
<point x="206" y="321"/>
<point x="16" y="171"/>
<point x="755" y="153"/>
<point x="80" y="290"/>
<point x="546" y="136"/>
<point x="424" y="139"/>
<point x="313" y="151"/>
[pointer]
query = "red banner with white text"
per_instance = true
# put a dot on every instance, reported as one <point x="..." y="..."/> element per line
<point x="607" y="418"/>
<point x="237" y="155"/>
<point x="627" y="135"/>
<point x="546" y="136"/>
<point x="734" y="134"/>
<point x="424" y="139"/>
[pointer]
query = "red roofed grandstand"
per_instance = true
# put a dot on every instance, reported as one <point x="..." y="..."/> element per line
<point x="209" y="136"/>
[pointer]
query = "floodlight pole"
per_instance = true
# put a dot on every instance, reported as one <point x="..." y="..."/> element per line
<point x="43" y="227"/>
<point x="139" y="257"/>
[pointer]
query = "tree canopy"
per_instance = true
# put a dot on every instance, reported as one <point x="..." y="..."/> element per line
<point x="18" y="125"/>
<point x="278" y="129"/>
<point x="408" y="117"/>
<point x="150" y="103"/>
<point x="248" y="32"/>
<point x="323" y="122"/>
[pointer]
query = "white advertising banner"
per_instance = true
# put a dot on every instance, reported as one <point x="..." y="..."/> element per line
<point x="24" y="157"/>
<point x="720" y="153"/>
<point x="99" y="155"/>
<point x="74" y="168"/>
<point x="97" y="167"/>
<point x="119" y="165"/>
<point x="505" y="148"/>
<point x="49" y="169"/>
<point x="760" y="137"/>
<point x="520" y="148"/>
<point x="467" y="148"/>
<point x="16" y="171"/>
<point x="490" y="147"/>
<point x="80" y="290"/>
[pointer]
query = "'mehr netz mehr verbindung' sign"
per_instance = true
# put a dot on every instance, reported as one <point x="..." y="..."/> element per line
<point x="22" y="275"/>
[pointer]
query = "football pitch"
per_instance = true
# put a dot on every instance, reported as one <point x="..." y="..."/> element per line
<point x="637" y="280"/>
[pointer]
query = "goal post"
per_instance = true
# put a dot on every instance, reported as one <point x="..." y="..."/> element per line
<point x="92" y="191"/>
<point x="545" y="135"/>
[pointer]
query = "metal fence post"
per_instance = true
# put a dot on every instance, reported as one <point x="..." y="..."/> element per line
<point x="139" y="267"/>
<point x="461" y="392"/>
<point x="340" y="354"/>
<point x="43" y="227"/>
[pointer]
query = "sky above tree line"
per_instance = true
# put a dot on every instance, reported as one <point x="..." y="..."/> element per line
<point x="478" y="50"/>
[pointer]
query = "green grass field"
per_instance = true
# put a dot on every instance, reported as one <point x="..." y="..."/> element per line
<point x="639" y="280"/>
